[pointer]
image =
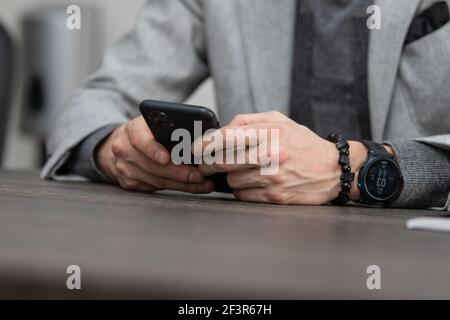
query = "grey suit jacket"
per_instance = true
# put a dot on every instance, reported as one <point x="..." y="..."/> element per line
<point x="247" y="47"/>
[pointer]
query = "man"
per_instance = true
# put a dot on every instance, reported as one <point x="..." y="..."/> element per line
<point x="314" y="60"/>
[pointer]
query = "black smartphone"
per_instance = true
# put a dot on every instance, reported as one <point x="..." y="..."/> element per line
<point x="163" y="118"/>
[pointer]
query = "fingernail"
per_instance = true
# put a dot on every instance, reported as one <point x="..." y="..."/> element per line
<point x="160" y="157"/>
<point x="195" y="177"/>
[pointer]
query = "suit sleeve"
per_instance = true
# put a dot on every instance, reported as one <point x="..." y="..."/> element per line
<point x="82" y="160"/>
<point x="426" y="171"/>
<point x="163" y="57"/>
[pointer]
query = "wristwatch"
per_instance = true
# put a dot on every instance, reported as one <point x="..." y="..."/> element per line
<point x="380" y="180"/>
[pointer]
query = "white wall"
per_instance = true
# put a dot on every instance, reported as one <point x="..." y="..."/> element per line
<point x="117" y="17"/>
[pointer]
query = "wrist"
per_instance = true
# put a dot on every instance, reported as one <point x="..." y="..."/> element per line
<point x="348" y="154"/>
<point x="358" y="156"/>
<point x="389" y="149"/>
<point x="104" y="157"/>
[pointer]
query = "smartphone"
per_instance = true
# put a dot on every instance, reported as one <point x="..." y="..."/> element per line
<point x="163" y="118"/>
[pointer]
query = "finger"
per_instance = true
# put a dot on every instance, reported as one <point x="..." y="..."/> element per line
<point x="230" y="138"/>
<point x="181" y="173"/>
<point x="126" y="153"/>
<point x="134" y="185"/>
<point x="262" y="195"/>
<point x="142" y="139"/>
<point x="209" y="170"/>
<point x="225" y="161"/>
<point x="251" y="195"/>
<point x="247" y="179"/>
<point x="246" y="119"/>
<point x="232" y="160"/>
<point x="134" y="173"/>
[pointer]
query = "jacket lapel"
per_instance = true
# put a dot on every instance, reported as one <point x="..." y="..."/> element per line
<point x="267" y="28"/>
<point x="385" y="50"/>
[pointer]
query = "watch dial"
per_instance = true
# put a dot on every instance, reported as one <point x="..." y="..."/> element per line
<point x="383" y="180"/>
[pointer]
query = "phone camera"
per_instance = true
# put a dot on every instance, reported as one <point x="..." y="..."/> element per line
<point x="152" y="117"/>
<point x="163" y="116"/>
<point x="160" y="119"/>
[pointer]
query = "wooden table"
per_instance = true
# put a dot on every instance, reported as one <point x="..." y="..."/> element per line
<point x="170" y="245"/>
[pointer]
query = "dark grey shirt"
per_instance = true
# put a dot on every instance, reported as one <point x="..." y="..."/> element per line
<point x="331" y="62"/>
<point x="329" y="87"/>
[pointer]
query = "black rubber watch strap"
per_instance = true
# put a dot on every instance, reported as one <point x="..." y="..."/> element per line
<point x="377" y="149"/>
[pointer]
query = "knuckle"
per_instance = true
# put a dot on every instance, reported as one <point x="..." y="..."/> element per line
<point x="238" y="118"/>
<point x="232" y="181"/>
<point x="283" y="156"/>
<point x="132" y="185"/>
<point x="123" y="169"/>
<point x="277" y="178"/>
<point x="129" y="128"/>
<point x="237" y="194"/>
<point x="242" y="196"/>
<point x="283" y="131"/>
<point x="158" y="183"/>
<point x="129" y="184"/>
<point x="119" y="149"/>
<point x="182" y="174"/>
<point x="304" y="129"/>
<point x="276" y="197"/>
<point x="193" y="189"/>
<point x="116" y="148"/>
<point x="275" y="114"/>
<point x="134" y="141"/>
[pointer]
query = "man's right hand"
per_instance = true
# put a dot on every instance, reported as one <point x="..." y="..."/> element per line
<point x="132" y="157"/>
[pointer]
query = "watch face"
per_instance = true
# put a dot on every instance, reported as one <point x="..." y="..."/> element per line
<point x="383" y="180"/>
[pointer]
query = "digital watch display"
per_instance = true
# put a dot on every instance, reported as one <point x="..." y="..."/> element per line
<point x="380" y="180"/>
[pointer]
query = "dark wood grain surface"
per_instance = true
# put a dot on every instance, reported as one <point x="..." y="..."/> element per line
<point x="171" y="245"/>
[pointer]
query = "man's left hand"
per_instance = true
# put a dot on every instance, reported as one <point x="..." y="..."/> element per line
<point x="309" y="172"/>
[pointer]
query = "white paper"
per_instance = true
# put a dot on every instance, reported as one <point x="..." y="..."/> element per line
<point x="429" y="224"/>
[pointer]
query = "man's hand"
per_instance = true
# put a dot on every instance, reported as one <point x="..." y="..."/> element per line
<point x="131" y="157"/>
<point x="309" y="172"/>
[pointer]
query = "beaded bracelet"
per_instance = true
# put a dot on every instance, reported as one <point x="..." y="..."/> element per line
<point x="347" y="176"/>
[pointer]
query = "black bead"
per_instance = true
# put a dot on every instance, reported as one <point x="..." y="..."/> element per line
<point x="346" y="187"/>
<point x="342" y="199"/>
<point x="348" y="177"/>
<point x="346" y="168"/>
<point x="345" y="151"/>
<point x="344" y="160"/>
<point x="334" y="137"/>
<point x="342" y="144"/>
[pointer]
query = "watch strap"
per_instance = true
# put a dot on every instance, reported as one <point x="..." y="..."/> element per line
<point x="377" y="149"/>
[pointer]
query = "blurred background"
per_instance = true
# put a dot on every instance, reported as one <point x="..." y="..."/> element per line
<point x="42" y="63"/>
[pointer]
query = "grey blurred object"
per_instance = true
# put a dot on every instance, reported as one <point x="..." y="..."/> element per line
<point x="6" y="78"/>
<point x="56" y="60"/>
